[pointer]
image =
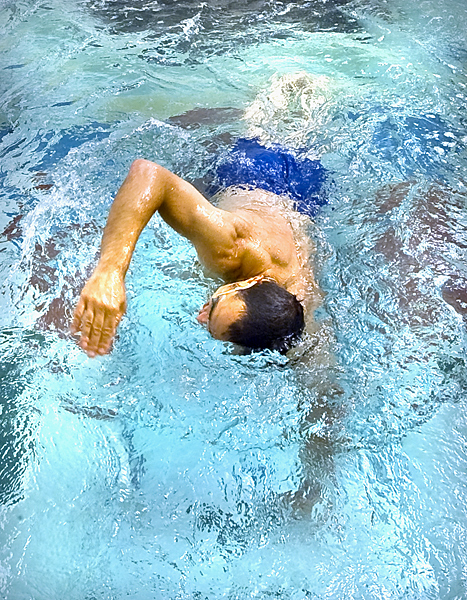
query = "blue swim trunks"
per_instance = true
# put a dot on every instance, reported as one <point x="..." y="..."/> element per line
<point x="275" y="169"/>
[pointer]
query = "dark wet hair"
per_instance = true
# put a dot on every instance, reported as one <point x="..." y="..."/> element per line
<point x="273" y="320"/>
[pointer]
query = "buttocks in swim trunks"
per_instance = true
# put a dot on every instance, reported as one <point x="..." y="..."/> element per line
<point x="277" y="170"/>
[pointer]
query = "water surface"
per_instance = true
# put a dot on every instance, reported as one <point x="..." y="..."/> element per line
<point x="175" y="468"/>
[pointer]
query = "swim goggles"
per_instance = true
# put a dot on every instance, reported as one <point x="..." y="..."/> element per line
<point x="231" y="288"/>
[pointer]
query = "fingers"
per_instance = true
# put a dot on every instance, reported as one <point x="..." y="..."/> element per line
<point x="107" y="334"/>
<point x="77" y="316"/>
<point x="94" y="334"/>
<point x="97" y="327"/>
<point x="101" y="306"/>
<point x="87" y="323"/>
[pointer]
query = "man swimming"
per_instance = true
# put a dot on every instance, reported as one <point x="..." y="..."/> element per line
<point x="250" y="244"/>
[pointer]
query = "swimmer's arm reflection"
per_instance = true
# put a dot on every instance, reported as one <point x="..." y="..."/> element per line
<point x="148" y="188"/>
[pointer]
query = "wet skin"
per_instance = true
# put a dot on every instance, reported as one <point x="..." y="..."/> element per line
<point x="219" y="313"/>
<point x="235" y="245"/>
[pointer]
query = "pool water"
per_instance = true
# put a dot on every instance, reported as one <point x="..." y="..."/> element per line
<point x="175" y="468"/>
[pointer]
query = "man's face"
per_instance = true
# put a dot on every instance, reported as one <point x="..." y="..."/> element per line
<point x="225" y="307"/>
<point x="222" y="309"/>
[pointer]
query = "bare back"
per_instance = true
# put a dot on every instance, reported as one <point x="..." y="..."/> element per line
<point x="251" y="233"/>
<point x="276" y="243"/>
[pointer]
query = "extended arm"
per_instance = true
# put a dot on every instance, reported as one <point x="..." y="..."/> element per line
<point x="148" y="188"/>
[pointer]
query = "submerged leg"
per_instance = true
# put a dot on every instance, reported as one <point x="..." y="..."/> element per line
<point x="454" y="292"/>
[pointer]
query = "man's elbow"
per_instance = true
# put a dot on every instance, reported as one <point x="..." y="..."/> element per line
<point x="144" y="168"/>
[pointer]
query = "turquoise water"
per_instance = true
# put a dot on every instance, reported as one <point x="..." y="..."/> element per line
<point x="174" y="468"/>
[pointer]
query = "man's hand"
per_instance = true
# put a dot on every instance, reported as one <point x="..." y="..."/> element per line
<point x="148" y="188"/>
<point x="100" y="308"/>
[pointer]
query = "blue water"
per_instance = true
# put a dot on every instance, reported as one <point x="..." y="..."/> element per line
<point x="174" y="468"/>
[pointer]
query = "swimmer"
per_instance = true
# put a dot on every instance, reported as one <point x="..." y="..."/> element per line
<point x="269" y="284"/>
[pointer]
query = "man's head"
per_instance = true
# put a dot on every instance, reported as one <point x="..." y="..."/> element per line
<point x="256" y="313"/>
